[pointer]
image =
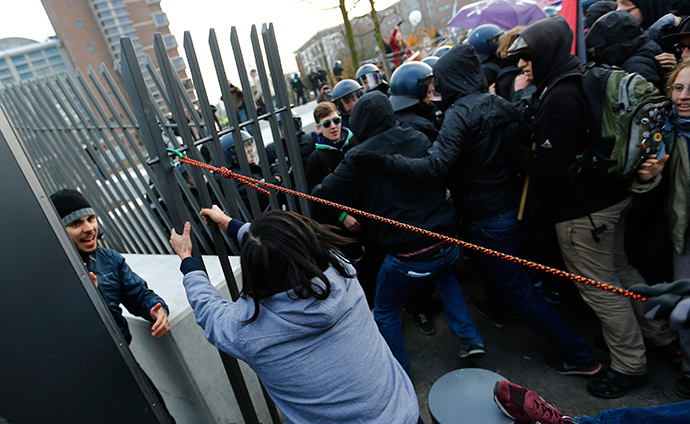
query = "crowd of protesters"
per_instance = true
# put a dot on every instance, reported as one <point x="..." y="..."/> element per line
<point x="454" y="145"/>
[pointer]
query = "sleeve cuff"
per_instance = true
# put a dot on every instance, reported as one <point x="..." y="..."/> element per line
<point x="190" y="264"/>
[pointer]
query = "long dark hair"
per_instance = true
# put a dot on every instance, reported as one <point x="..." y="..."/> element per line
<point x="284" y="251"/>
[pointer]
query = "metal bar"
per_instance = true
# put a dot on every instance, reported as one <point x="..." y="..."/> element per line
<point x="273" y="58"/>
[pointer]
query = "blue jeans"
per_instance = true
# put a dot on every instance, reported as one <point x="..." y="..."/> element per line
<point x="398" y="279"/>
<point x="675" y="413"/>
<point x="242" y="117"/>
<point x="509" y="281"/>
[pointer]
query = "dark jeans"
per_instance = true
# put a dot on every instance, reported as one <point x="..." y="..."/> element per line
<point x="398" y="279"/>
<point x="675" y="413"/>
<point x="510" y="281"/>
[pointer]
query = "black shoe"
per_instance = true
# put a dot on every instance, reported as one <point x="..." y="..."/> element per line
<point x="498" y="322"/>
<point x="682" y="387"/>
<point x="426" y="325"/>
<point x="565" y="367"/>
<point x="612" y="384"/>
<point x="473" y="351"/>
<point x="670" y="352"/>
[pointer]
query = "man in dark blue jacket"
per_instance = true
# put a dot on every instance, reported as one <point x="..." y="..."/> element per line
<point x="115" y="280"/>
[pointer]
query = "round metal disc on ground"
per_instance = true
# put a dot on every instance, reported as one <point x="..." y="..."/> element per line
<point x="466" y="396"/>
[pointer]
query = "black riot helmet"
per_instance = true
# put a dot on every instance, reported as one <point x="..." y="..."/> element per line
<point x="484" y="39"/>
<point x="344" y="92"/>
<point x="431" y="61"/>
<point x="409" y="84"/>
<point x="440" y="50"/>
<point x="369" y="76"/>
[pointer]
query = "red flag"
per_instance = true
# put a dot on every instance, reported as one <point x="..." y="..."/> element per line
<point x="571" y="10"/>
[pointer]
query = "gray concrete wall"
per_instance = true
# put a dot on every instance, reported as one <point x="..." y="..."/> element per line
<point x="183" y="365"/>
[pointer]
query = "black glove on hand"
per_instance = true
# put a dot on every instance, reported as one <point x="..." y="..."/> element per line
<point x="662" y="298"/>
<point x="367" y="160"/>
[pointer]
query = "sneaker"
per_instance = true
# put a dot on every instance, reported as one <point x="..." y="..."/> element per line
<point x="553" y="297"/>
<point x="682" y="387"/>
<point x="526" y="407"/>
<point x="426" y="325"/>
<point x="613" y="384"/>
<point x="480" y="308"/>
<point x="473" y="351"/>
<point x="565" y="367"/>
<point x="670" y="352"/>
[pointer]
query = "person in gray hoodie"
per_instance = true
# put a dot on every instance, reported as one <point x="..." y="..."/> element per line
<point x="302" y="322"/>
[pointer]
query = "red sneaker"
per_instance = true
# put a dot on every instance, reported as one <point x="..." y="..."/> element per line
<point x="525" y="406"/>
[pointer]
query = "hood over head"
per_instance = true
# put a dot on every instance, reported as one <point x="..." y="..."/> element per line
<point x="459" y="73"/>
<point x="372" y="115"/>
<point x="614" y="35"/>
<point x="652" y="10"/>
<point x="597" y="10"/>
<point x="549" y="41"/>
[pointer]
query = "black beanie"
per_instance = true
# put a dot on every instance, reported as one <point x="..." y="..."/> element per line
<point x="71" y="205"/>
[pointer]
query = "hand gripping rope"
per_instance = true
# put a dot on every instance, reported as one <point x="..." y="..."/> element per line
<point x="262" y="187"/>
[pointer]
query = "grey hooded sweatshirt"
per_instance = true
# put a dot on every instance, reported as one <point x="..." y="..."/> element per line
<point x="322" y="361"/>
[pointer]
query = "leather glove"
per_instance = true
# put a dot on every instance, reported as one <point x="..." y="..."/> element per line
<point x="366" y="160"/>
<point x="662" y="298"/>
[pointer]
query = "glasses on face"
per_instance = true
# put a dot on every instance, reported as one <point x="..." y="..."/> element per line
<point x="327" y="122"/>
<point x="677" y="88"/>
<point x="524" y="55"/>
<point x="681" y="46"/>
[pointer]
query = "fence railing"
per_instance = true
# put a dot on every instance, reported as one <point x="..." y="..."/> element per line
<point x="76" y="137"/>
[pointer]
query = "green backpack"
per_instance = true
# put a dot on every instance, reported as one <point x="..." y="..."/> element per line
<point x="626" y="120"/>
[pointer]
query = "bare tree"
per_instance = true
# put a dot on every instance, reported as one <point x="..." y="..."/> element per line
<point x="349" y="36"/>
<point x="379" y="39"/>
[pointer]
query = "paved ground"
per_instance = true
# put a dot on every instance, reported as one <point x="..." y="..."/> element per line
<point x="516" y="352"/>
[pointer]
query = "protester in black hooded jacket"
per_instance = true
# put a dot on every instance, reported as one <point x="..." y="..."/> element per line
<point x="651" y="10"/>
<point x="413" y="259"/>
<point x="468" y="155"/>
<point x="589" y="211"/>
<point x="617" y="39"/>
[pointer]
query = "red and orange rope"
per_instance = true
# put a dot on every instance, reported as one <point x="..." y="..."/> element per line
<point x="262" y="185"/>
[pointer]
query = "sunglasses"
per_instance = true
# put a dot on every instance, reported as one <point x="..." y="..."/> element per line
<point x="327" y="123"/>
<point x="525" y="55"/>
<point x="681" y="46"/>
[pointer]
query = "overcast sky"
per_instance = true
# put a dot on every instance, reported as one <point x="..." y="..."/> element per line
<point x="295" y="21"/>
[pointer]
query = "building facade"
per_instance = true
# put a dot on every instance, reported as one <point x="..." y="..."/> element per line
<point x="22" y="59"/>
<point x="90" y="31"/>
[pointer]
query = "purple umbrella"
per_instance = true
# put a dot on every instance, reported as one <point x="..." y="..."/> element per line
<point x="504" y="13"/>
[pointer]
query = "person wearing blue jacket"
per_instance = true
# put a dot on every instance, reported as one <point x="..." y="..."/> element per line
<point x="302" y="322"/>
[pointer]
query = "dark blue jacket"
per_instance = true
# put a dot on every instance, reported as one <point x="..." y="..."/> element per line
<point x="118" y="284"/>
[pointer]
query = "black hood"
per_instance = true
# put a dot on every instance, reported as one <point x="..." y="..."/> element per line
<point x="652" y="10"/>
<point x="458" y="73"/>
<point x="597" y="10"/>
<point x="615" y="36"/>
<point x="549" y="41"/>
<point x="372" y="115"/>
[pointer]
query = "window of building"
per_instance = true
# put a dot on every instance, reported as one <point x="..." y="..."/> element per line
<point x="114" y="39"/>
<point x="443" y="8"/>
<point x="43" y="71"/>
<point x="109" y="22"/>
<point x="127" y="27"/>
<point x="55" y="59"/>
<point x="112" y="31"/>
<point x="26" y="75"/>
<point x="5" y="71"/>
<point x="90" y="47"/>
<point x="120" y="11"/>
<point x="59" y="67"/>
<point x="9" y="80"/>
<point x="19" y="59"/>
<point x="39" y="62"/>
<point x="3" y="62"/>
<point x="178" y="63"/>
<point x="187" y="83"/>
<point x="117" y="3"/>
<point x="169" y="41"/>
<point x="101" y="6"/>
<point x="80" y="24"/>
<point x="160" y="19"/>
<point x="23" y="67"/>
<point x="105" y="14"/>
<point x="124" y="20"/>
<point x="51" y="50"/>
<point x="34" y="55"/>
